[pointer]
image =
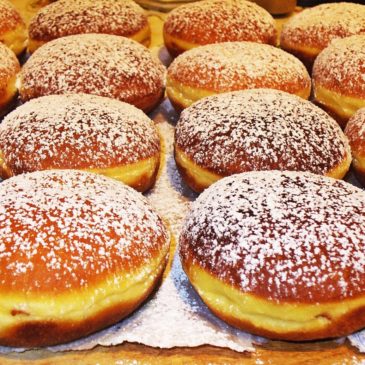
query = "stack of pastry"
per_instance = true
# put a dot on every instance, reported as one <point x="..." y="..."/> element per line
<point x="275" y="247"/>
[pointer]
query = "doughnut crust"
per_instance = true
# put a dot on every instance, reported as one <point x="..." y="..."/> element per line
<point x="9" y="68"/>
<point x="307" y="33"/>
<point x="215" y="21"/>
<point x="68" y="17"/>
<point x="355" y="131"/>
<point x="84" y="132"/>
<point x="13" y="32"/>
<point x="78" y="253"/>
<point x="99" y="64"/>
<point x="255" y="130"/>
<point x="280" y="254"/>
<point x="231" y="66"/>
<point x="339" y="77"/>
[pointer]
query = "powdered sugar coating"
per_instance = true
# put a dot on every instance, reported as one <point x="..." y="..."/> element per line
<point x="67" y="17"/>
<point x="340" y="67"/>
<point x="285" y="236"/>
<point x="9" y="17"/>
<point x="316" y="27"/>
<point x="69" y="229"/>
<point x="9" y="66"/>
<point x="76" y="131"/>
<point x="260" y="129"/>
<point x="239" y="65"/>
<point x="213" y="21"/>
<point x="99" y="64"/>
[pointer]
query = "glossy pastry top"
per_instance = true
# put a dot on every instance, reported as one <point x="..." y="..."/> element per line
<point x="76" y="131"/>
<point x="67" y="230"/>
<point x="67" y="17"/>
<point x="285" y="236"/>
<point x="213" y="21"/>
<point x="9" y="66"/>
<point x="340" y="67"/>
<point x="239" y="65"/>
<point x="260" y="129"/>
<point x="101" y="64"/>
<point x="316" y="27"/>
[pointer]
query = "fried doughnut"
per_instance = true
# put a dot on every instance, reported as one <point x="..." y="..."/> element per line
<point x="68" y="17"/>
<point x="307" y="33"/>
<point x="222" y="67"/>
<point x="9" y="68"/>
<point x="78" y="252"/>
<point x="99" y="64"/>
<point x="355" y="131"/>
<point x="279" y="254"/>
<point x="84" y="132"/>
<point x="13" y="32"/>
<point x="339" y="77"/>
<point x="254" y="130"/>
<point x="215" y="21"/>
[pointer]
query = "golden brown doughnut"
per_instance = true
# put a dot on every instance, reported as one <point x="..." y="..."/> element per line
<point x="215" y="21"/>
<point x="13" y="32"/>
<point x="279" y="254"/>
<point x="355" y="132"/>
<point x="278" y="7"/>
<point x="255" y="130"/>
<point x="307" y="33"/>
<point x="99" y="64"/>
<point x="9" y="68"/>
<point x="339" y="77"/>
<point x="68" y="17"/>
<point x="78" y="252"/>
<point x="84" y="132"/>
<point x="222" y="67"/>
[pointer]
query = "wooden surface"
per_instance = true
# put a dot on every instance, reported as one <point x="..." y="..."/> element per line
<point x="320" y="353"/>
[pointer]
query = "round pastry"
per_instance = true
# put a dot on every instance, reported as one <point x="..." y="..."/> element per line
<point x="222" y="67"/>
<point x="13" y="32"/>
<point x="68" y="17"/>
<point x="215" y="21"/>
<point x="279" y="254"/>
<point x="9" y="68"/>
<point x="339" y="77"/>
<point x="254" y="130"/>
<point x="100" y="64"/>
<point x="307" y="33"/>
<point x="80" y="131"/>
<point x="78" y="252"/>
<point x="355" y="132"/>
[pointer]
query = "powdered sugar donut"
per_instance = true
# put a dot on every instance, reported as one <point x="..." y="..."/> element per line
<point x="78" y="252"/>
<point x="215" y="21"/>
<point x="260" y="129"/>
<point x="9" y="68"/>
<point x="279" y="254"/>
<point x="100" y="64"/>
<point x="307" y="33"/>
<point x="230" y="66"/>
<point x="339" y="77"/>
<point x="67" y="17"/>
<point x="13" y="32"/>
<point x="81" y="131"/>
